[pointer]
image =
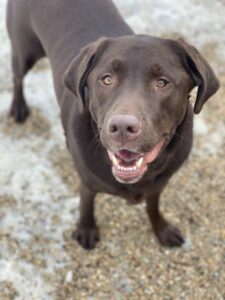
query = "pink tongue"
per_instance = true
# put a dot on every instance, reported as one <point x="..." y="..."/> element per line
<point x="127" y="155"/>
<point x="151" y="155"/>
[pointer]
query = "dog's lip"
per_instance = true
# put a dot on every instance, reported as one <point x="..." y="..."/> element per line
<point x="128" y="165"/>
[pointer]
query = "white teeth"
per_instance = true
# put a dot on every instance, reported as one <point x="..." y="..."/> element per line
<point x="115" y="161"/>
<point x="127" y="169"/>
<point x="139" y="162"/>
<point x="134" y="168"/>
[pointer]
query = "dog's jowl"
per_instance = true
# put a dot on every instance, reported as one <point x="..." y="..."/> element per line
<point x="124" y="100"/>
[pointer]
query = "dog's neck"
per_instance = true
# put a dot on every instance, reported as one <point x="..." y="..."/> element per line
<point x="178" y="135"/>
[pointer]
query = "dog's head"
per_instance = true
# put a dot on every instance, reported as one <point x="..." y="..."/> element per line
<point x="136" y="89"/>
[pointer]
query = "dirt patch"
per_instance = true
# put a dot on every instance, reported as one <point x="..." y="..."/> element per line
<point x="8" y="291"/>
<point x="63" y="164"/>
<point x="36" y="125"/>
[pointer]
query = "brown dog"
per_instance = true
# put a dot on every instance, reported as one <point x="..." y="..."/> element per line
<point x="124" y="100"/>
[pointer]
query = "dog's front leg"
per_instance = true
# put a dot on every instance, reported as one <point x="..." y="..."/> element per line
<point x="87" y="233"/>
<point x="167" y="234"/>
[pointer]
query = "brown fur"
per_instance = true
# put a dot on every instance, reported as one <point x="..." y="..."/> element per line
<point x="84" y="40"/>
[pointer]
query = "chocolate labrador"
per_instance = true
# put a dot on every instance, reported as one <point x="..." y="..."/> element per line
<point x="124" y="100"/>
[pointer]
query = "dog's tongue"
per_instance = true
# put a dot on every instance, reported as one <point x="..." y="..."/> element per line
<point x="127" y="155"/>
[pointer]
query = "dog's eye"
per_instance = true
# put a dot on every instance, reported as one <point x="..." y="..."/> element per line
<point x="107" y="79"/>
<point x="162" y="82"/>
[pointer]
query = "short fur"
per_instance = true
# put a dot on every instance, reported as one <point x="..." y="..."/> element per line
<point x="84" y="40"/>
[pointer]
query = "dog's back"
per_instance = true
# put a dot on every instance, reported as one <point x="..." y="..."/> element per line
<point x="60" y="29"/>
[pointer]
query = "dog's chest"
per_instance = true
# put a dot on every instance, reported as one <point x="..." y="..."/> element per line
<point x="132" y="197"/>
<point x="135" y="199"/>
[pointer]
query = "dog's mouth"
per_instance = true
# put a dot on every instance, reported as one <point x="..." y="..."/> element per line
<point x="129" y="167"/>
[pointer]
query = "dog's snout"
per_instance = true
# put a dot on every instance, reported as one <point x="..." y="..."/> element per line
<point x="124" y="127"/>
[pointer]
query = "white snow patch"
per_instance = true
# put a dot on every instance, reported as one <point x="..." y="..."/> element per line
<point x="199" y="22"/>
<point x="25" y="279"/>
<point x="69" y="277"/>
<point x="29" y="177"/>
<point x="187" y="244"/>
<point x="214" y="142"/>
<point x="200" y="126"/>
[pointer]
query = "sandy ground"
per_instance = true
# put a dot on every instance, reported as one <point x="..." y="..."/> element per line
<point x="39" y="200"/>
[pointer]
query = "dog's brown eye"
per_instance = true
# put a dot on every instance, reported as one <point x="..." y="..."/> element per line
<point x="162" y="82"/>
<point x="107" y="80"/>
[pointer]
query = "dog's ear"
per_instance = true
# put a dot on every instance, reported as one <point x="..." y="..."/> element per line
<point x="201" y="73"/>
<point x="77" y="72"/>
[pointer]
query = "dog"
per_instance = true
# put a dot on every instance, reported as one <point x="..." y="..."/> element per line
<point x="124" y="101"/>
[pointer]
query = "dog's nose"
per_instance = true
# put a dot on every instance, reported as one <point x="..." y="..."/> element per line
<point x="124" y="127"/>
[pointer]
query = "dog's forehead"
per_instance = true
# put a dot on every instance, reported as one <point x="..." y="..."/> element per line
<point x="141" y="52"/>
<point x="142" y="44"/>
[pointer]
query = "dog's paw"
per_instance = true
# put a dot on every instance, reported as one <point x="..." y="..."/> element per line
<point x="19" y="114"/>
<point x="169" y="236"/>
<point x="87" y="237"/>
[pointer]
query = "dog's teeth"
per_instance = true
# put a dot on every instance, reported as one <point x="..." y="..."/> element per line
<point x="139" y="162"/>
<point x="115" y="161"/>
<point x="127" y="169"/>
